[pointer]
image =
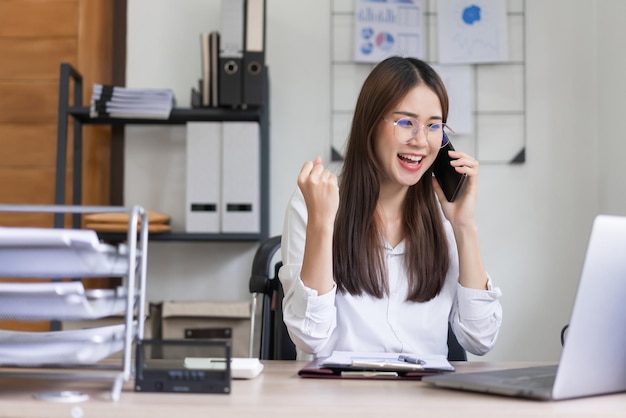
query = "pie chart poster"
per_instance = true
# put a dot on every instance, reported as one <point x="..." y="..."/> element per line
<point x="385" y="28"/>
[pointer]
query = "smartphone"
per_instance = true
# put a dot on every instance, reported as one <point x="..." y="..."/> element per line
<point x="450" y="181"/>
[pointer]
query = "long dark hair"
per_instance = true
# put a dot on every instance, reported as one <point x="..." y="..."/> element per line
<point x="358" y="249"/>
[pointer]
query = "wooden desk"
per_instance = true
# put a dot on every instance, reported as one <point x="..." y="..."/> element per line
<point x="279" y="392"/>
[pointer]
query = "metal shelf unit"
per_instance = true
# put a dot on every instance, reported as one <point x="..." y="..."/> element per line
<point x="79" y="115"/>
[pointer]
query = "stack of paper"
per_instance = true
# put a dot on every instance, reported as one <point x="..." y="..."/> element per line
<point x="58" y="300"/>
<point x="125" y="102"/>
<point x="57" y="252"/>
<point x="74" y="347"/>
<point x="365" y="365"/>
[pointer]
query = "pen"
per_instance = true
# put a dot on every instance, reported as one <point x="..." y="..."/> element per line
<point x="412" y="360"/>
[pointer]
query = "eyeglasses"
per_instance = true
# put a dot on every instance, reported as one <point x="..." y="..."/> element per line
<point x="405" y="129"/>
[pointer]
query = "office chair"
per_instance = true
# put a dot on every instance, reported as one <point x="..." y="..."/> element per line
<point x="275" y="341"/>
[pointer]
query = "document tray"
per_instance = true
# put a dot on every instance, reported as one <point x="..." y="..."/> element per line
<point x="65" y="301"/>
<point x="60" y="348"/>
<point x="50" y="252"/>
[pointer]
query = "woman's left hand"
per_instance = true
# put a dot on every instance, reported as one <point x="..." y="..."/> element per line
<point x="462" y="210"/>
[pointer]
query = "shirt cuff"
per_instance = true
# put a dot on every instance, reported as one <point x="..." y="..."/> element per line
<point x="310" y="305"/>
<point x="476" y="303"/>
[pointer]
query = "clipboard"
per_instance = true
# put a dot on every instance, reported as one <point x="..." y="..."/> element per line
<point x="351" y="365"/>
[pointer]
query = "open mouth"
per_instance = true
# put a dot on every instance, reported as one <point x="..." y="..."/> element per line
<point x="410" y="159"/>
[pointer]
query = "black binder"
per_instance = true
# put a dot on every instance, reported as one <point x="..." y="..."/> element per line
<point x="254" y="54"/>
<point x="231" y="53"/>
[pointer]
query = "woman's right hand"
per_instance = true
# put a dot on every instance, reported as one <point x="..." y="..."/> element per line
<point x="320" y="190"/>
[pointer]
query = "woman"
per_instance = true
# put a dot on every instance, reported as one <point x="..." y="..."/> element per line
<point x="382" y="261"/>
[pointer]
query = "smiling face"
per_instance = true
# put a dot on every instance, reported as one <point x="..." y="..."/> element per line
<point x="404" y="164"/>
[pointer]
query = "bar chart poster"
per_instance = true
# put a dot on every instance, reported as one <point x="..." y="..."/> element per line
<point x="388" y="27"/>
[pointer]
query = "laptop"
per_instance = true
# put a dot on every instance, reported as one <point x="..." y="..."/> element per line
<point x="593" y="359"/>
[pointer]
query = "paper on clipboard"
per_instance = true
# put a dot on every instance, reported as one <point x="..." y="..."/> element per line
<point x="386" y="361"/>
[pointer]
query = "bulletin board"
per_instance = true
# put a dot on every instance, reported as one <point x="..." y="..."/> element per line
<point x="497" y="90"/>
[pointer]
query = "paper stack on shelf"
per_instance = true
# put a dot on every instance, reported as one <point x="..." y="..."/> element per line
<point x="125" y="102"/>
<point x="65" y="301"/>
<point x="38" y="252"/>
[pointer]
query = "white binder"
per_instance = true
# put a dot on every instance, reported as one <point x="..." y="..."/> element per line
<point x="202" y="210"/>
<point x="241" y="177"/>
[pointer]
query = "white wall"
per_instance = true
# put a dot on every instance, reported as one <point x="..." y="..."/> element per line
<point x="534" y="222"/>
<point x="164" y="51"/>
<point x="611" y="68"/>
<point x="534" y="218"/>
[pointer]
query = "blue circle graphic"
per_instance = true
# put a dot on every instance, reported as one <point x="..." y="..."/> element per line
<point x="367" y="33"/>
<point x="471" y="14"/>
<point x="367" y="48"/>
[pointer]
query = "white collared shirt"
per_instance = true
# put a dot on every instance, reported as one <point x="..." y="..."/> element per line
<point x="319" y="325"/>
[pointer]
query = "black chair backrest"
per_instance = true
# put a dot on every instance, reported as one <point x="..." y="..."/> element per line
<point x="275" y="341"/>
<point x="455" y="351"/>
<point x="283" y="347"/>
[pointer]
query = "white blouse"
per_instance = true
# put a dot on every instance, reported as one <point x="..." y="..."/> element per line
<point x="319" y="325"/>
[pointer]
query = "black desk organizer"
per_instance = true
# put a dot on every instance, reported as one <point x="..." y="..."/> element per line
<point x="183" y="366"/>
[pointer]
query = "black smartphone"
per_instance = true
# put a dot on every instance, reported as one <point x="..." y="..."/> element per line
<point x="450" y="181"/>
